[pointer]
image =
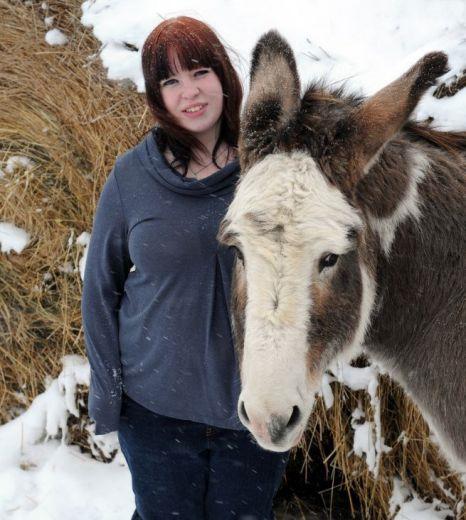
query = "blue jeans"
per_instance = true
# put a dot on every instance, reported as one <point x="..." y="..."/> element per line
<point x="191" y="471"/>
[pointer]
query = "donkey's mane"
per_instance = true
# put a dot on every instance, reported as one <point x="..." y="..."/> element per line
<point x="320" y="98"/>
<point x="321" y="91"/>
<point x="452" y="142"/>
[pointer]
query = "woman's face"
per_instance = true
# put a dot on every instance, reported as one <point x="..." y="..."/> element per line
<point x="195" y="99"/>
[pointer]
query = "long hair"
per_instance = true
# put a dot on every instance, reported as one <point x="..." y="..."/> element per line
<point x="195" y="45"/>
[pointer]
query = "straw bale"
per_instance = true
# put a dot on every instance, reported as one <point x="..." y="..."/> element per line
<point x="60" y="111"/>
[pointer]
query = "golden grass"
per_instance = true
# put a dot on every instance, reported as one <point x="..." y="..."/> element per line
<point x="59" y="110"/>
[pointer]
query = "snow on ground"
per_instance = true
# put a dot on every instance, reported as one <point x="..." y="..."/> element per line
<point x="42" y="478"/>
<point x="56" y="481"/>
<point x="12" y="238"/>
<point x="55" y="36"/>
<point x="48" y="20"/>
<point x="83" y="240"/>
<point x="360" y="43"/>
<point x="405" y="504"/>
<point x="16" y="162"/>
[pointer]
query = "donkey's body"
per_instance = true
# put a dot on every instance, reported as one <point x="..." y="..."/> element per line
<point x="351" y="226"/>
<point x="417" y="328"/>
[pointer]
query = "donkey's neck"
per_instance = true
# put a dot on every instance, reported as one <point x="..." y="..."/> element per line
<point x="413" y="200"/>
<point x="389" y="193"/>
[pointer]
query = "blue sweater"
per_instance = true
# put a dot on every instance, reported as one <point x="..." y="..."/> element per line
<point x="156" y="294"/>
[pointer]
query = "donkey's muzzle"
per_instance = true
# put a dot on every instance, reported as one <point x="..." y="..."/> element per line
<point x="275" y="431"/>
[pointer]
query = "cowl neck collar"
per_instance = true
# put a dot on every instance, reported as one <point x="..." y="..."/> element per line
<point x="221" y="182"/>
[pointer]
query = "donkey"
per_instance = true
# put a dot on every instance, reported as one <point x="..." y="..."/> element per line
<point x="349" y="223"/>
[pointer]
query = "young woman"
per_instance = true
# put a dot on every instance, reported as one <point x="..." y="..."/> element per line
<point x="164" y="373"/>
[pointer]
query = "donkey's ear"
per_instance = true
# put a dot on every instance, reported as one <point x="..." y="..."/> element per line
<point x="273" y="97"/>
<point x="381" y="116"/>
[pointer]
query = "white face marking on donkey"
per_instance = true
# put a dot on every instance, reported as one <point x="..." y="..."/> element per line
<point x="286" y="218"/>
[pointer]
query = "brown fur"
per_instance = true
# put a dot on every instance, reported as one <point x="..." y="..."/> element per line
<point x="238" y="304"/>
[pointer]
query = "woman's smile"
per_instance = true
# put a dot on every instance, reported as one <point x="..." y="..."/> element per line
<point x="194" y="111"/>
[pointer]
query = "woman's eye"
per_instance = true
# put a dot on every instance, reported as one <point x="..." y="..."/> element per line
<point x="168" y="82"/>
<point x="327" y="260"/>
<point x="202" y="72"/>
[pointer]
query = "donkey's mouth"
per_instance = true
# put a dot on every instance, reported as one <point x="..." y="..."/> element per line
<point x="280" y="447"/>
<point x="266" y="441"/>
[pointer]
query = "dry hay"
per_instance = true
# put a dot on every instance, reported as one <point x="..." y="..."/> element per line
<point x="414" y="455"/>
<point x="59" y="110"/>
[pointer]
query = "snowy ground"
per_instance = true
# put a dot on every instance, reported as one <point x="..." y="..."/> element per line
<point x="42" y="478"/>
<point x="361" y="43"/>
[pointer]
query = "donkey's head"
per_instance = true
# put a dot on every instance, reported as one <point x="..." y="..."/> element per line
<point x="303" y="287"/>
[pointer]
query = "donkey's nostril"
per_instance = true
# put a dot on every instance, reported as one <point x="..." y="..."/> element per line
<point x="295" y="416"/>
<point x="243" y="412"/>
<point x="280" y="426"/>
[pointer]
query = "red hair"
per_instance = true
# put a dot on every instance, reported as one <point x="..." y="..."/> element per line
<point x="195" y="45"/>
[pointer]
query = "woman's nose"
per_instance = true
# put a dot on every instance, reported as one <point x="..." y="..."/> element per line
<point x="190" y="91"/>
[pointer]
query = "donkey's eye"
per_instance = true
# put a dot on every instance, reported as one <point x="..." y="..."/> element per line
<point x="238" y="253"/>
<point x="327" y="260"/>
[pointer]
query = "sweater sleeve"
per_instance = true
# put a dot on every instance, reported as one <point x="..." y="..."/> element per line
<point x="107" y="266"/>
